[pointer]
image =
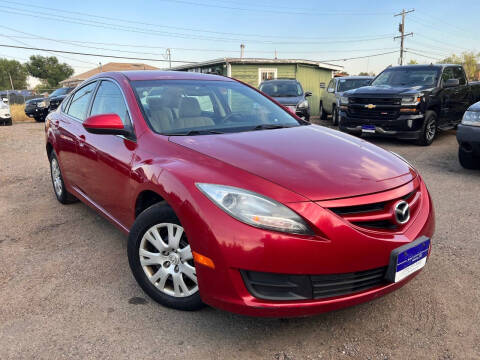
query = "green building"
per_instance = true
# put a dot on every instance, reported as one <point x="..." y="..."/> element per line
<point x="313" y="75"/>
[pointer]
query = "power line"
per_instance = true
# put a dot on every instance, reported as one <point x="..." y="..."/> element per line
<point x="419" y="54"/>
<point x="104" y="25"/>
<point x="123" y="20"/>
<point x="89" y="54"/>
<point x="359" y="57"/>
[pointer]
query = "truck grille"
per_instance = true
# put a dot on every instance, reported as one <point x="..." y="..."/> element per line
<point x="379" y="216"/>
<point x="375" y="101"/>
<point x="299" y="287"/>
<point x="376" y="113"/>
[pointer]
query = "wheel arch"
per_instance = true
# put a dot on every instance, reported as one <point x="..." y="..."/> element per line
<point x="145" y="199"/>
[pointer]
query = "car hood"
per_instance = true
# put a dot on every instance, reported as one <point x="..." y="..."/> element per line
<point x="293" y="100"/>
<point x="34" y="101"/>
<point x="60" y="97"/>
<point x="387" y="90"/>
<point x="315" y="162"/>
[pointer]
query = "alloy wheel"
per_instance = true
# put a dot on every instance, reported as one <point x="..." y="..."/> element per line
<point x="430" y="130"/>
<point x="56" y="177"/>
<point x="166" y="259"/>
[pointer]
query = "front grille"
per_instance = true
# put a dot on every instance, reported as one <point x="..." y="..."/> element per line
<point x="379" y="215"/>
<point x="375" y="101"/>
<point x="270" y="286"/>
<point x="376" y="113"/>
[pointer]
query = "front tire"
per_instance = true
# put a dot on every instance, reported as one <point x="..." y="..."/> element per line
<point x="39" y="119"/>
<point x="59" y="188"/>
<point x="335" y="116"/>
<point x="429" y="129"/>
<point x="467" y="160"/>
<point x="161" y="259"/>
<point x="323" y="114"/>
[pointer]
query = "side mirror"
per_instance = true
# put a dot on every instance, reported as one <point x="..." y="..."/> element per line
<point x="451" y="83"/>
<point x="308" y="93"/>
<point x="107" y="124"/>
<point x="331" y="90"/>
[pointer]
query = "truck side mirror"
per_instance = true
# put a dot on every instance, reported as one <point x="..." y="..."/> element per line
<point x="308" y="93"/>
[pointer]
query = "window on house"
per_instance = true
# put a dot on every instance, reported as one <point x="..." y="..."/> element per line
<point x="266" y="74"/>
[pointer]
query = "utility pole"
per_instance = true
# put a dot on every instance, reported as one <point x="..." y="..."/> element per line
<point x="401" y="29"/>
<point x="169" y="57"/>
<point x="11" y="82"/>
<point x="242" y="51"/>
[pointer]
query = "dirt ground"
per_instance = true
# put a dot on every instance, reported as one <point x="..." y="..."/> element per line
<point x="66" y="290"/>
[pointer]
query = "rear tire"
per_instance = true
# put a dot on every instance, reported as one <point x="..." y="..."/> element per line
<point x="323" y="114"/>
<point x="63" y="196"/>
<point x="163" y="266"/>
<point x="467" y="160"/>
<point x="429" y="129"/>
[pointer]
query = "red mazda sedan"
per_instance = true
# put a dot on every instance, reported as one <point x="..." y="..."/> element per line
<point x="230" y="200"/>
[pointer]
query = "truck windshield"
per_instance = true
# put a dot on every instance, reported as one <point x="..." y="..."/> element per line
<point x="350" y="84"/>
<point x="201" y="107"/>
<point x="408" y="77"/>
<point x="282" y="89"/>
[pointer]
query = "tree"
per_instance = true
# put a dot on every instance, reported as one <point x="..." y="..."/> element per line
<point x="364" y="73"/>
<point x="469" y="61"/>
<point x="15" y="70"/>
<point x="412" y="62"/>
<point x="49" y="70"/>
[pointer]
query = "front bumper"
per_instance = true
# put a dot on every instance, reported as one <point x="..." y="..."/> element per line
<point x="468" y="138"/>
<point x="36" y="111"/>
<point x="407" y="127"/>
<point x="341" y="248"/>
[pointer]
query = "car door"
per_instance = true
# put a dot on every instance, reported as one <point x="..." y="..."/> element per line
<point x="106" y="160"/>
<point x="329" y="97"/>
<point x="69" y="127"/>
<point x="461" y="94"/>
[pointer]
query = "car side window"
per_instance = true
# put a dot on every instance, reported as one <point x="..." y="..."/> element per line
<point x="330" y="85"/>
<point x="79" y="104"/>
<point x="109" y="100"/>
<point x="447" y="74"/>
<point x="459" y="74"/>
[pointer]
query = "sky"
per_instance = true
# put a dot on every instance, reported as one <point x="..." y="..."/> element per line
<point x="198" y="30"/>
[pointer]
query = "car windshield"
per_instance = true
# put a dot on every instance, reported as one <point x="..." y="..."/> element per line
<point x="196" y="107"/>
<point x="408" y="77"/>
<point x="60" y="92"/>
<point x="282" y="88"/>
<point x="350" y="84"/>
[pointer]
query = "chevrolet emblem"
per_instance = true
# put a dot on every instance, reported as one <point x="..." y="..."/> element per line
<point x="370" y="106"/>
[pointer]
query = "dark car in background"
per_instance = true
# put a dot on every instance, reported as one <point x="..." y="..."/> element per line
<point x="468" y="137"/>
<point x="330" y="100"/>
<point x="289" y="93"/>
<point x="40" y="107"/>
<point x="409" y="102"/>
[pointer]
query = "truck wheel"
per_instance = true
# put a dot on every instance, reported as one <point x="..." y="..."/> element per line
<point x="323" y="114"/>
<point x="335" y="116"/>
<point x="39" y="119"/>
<point x="429" y="129"/>
<point x="467" y="160"/>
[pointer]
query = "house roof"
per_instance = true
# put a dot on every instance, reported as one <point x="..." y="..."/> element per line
<point x="107" y="67"/>
<point x="259" y="61"/>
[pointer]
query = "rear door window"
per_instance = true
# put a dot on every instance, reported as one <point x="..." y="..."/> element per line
<point x="80" y="101"/>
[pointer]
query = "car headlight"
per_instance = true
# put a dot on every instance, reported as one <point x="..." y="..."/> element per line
<point x="471" y="118"/>
<point x="254" y="209"/>
<point x="42" y="104"/>
<point x="412" y="100"/>
<point x="303" y="104"/>
<point x="343" y="100"/>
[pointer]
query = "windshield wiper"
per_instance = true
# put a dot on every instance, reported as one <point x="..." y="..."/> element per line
<point x="195" y="132"/>
<point x="270" y="126"/>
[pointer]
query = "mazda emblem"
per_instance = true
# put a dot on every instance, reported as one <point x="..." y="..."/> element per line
<point x="402" y="212"/>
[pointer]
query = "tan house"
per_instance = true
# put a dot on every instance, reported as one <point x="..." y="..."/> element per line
<point x="77" y="79"/>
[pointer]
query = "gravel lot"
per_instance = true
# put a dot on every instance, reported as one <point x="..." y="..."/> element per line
<point x="66" y="290"/>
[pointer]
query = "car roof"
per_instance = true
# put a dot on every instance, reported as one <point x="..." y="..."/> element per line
<point x="280" y="79"/>
<point x="419" y="66"/>
<point x="138" y="75"/>
<point x="354" y="77"/>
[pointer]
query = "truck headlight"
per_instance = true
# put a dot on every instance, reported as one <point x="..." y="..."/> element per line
<point x="303" y="104"/>
<point x="254" y="209"/>
<point x="343" y="100"/>
<point x="42" y="104"/>
<point x="412" y="100"/>
<point x="471" y="118"/>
